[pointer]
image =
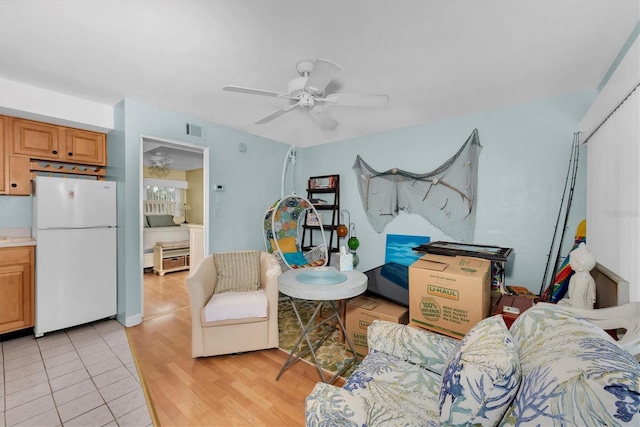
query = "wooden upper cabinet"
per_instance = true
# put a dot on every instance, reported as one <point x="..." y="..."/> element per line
<point x="86" y="147"/>
<point x="50" y="142"/>
<point x="18" y="181"/>
<point x="35" y="139"/>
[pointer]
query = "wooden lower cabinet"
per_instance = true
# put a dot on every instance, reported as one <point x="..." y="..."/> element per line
<point x="17" y="292"/>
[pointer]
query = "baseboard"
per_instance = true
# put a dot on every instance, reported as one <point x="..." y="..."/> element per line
<point x="133" y="320"/>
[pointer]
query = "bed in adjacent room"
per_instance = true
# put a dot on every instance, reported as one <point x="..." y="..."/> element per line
<point x="159" y="226"/>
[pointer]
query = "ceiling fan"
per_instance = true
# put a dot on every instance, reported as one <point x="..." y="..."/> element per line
<point x="159" y="163"/>
<point x="307" y="91"/>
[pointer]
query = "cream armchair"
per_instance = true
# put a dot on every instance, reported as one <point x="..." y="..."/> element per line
<point x="235" y="335"/>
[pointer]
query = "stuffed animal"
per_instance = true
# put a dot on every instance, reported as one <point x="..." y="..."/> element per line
<point x="582" y="287"/>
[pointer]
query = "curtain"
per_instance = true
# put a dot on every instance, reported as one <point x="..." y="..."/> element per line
<point x="613" y="193"/>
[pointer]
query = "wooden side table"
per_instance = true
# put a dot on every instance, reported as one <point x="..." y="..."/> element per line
<point x="512" y="306"/>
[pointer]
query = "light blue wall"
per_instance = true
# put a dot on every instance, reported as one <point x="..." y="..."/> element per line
<point x="15" y="211"/>
<point x="522" y="171"/>
<point x="251" y="180"/>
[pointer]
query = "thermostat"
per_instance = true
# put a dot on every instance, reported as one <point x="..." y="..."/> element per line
<point x="218" y="187"/>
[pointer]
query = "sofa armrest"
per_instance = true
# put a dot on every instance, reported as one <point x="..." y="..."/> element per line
<point x="625" y="316"/>
<point x="329" y="405"/>
<point x="200" y="284"/>
<point x="427" y="349"/>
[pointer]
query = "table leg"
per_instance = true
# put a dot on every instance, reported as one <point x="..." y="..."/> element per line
<point x="310" y="326"/>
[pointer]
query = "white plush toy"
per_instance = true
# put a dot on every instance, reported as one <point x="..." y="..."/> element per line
<point x="582" y="287"/>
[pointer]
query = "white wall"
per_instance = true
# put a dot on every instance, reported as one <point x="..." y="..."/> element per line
<point x="29" y="102"/>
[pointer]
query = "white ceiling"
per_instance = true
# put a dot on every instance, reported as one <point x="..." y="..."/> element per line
<point x="435" y="59"/>
<point x="178" y="157"/>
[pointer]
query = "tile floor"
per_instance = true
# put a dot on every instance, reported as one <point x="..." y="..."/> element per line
<point x="83" y="376"/>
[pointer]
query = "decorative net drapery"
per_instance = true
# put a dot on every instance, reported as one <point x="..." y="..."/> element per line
<point x="445" y="197"/>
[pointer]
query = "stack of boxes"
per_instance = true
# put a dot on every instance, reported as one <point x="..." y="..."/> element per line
<point x="447" y="294"/>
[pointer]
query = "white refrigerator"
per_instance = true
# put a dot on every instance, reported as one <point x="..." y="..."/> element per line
<point x="74" y="224"/>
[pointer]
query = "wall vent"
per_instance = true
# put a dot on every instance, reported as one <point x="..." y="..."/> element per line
<point x="194" y="130"/>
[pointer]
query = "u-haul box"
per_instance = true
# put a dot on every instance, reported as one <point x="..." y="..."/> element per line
<point x="362" y="311"/>
<point x="449" y="294"/>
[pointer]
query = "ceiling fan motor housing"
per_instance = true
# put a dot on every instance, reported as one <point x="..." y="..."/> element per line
<point x="304" y="66"/>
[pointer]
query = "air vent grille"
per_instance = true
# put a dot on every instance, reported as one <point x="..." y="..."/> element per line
<point x="194" y="130"/>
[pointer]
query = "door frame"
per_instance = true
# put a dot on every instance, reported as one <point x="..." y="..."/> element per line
<point x="205" y="197"/>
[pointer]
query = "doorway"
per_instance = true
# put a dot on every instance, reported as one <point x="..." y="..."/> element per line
<point x="174" y="176"/>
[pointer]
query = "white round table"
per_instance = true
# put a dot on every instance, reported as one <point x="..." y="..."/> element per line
<point x="288" y="283"/>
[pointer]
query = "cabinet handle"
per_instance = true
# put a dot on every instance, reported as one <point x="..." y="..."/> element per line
<point x="55" y="152"/>
<point x="69" y="154"/>
<point x="14" y="185"/>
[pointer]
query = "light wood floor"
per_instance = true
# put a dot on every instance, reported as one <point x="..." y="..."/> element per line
<point x="233" y="390"/>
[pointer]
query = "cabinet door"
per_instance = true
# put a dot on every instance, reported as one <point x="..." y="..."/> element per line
<point x="13" y="315"/>
<point x="18" y="173"/>
<point x="35" y="139"/>
<point x="16" y="288"/>
<point x="85" y="147"/>
<point x="3" y="154"/>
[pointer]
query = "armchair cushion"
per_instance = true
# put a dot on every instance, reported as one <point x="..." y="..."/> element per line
<point x="236" y="305"/>
<point x="286" y="244"/>
<point x="237" y="271"/>
<point x="295" y="258"/>
<point x="482" y="377"/>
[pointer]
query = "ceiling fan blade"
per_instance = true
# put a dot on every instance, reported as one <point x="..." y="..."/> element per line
<point x="323" y="117"/>
<point x="276" y="114"/>
<point x="321" y="75"/>
<point x="357" y="100"/>
<point x="241" y="89"/>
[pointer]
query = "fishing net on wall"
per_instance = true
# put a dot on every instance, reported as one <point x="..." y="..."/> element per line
<point x="445" y="197"/>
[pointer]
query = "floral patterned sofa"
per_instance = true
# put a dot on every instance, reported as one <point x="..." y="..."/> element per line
<point x="552" y="368"/>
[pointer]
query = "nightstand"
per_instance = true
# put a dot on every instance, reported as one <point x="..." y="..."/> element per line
<point x="512" y="306"/>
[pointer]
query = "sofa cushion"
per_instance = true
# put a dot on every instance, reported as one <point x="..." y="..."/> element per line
<point x="482" y="376"/>
<point x="237" y="271"/>
<point x="573" y="373"/>
<point x="392" y="391"/>
<point x="414" y="345"/>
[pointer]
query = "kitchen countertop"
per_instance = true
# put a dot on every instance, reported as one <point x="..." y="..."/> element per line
<point x="10" y="237"/>
<point x="8" y="242"/>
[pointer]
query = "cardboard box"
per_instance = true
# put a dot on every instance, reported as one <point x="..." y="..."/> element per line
<point x="449" y="294"/>
<point x="362" y="311"/>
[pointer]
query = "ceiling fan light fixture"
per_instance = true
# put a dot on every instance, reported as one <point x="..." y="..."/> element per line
<point x="307" y="101"/>
<point x="307" y="91"/>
